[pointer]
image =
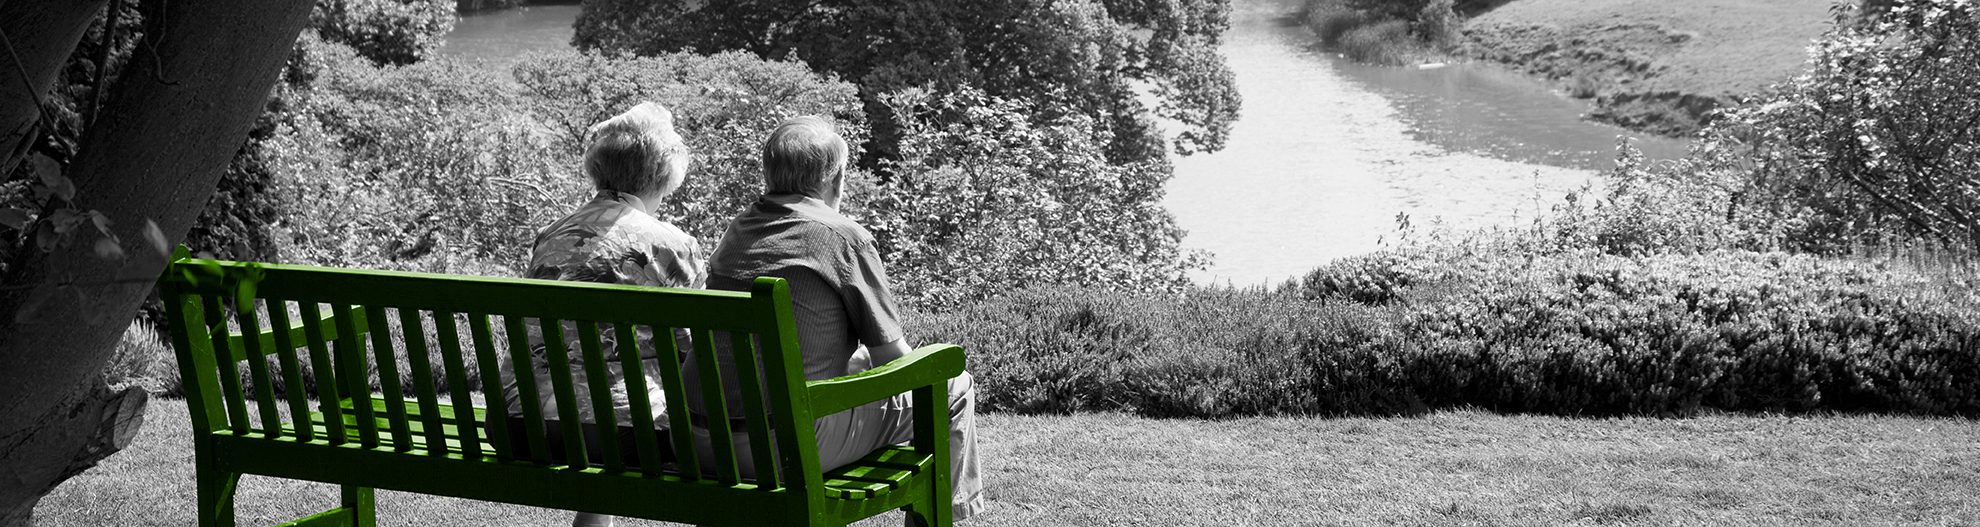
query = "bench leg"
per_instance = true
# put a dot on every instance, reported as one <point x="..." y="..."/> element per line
<point x="363" y="506"/>
<point x="216" y="497"/>
<point x="927" y="514"/>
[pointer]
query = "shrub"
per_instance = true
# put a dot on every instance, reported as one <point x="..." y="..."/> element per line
<point x="1875" y="141"/>
<point x="427" y="167"/>
<point x="142" y="359"/>
<point x="985" y="198"/>
<point x="1330" y="21"/>
<point x="1574" y="334"/>
<point x="1437" y="24"/>
<point x="1383" y="31"/>
<point x="389" y="32"/>
<point x="1387" y="42"/>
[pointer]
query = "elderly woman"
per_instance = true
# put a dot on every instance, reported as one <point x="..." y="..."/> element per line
<point x="634" y="159"/>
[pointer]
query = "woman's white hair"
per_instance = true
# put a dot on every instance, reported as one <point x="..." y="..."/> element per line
<point x="637" y="152"/>
<point x="803" y="156"/>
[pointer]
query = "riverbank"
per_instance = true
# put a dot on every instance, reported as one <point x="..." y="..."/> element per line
<point x="1652" y="66"/>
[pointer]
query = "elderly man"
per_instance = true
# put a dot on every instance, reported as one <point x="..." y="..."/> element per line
<point x="634" y="160"/>
<point x="840" y="300"/>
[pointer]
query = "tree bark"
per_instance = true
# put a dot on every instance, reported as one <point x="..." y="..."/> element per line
<point x="39" y="37"/>
<point x="175" y="117"/>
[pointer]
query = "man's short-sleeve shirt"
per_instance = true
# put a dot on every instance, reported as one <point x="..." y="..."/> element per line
<point x="843" y="301"/>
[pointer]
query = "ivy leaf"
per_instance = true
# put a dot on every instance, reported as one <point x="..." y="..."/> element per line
<point x="108" y="249"/>
<point x="51" y="177"/>
<point x="45" y="237"/>
<point x="47" y="168"/>
<point x="16" y="219"/>
<point x="102" y="222"/>
<point x="156" y="238"/>
<point x="65" y="220"/>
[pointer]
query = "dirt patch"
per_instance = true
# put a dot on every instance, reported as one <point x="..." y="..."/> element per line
<point x="1661" y="67"/>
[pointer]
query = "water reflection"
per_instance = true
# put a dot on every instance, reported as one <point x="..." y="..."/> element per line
<point x="1487" y="109"/>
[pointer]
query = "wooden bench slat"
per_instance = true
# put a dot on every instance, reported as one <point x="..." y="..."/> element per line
<point x="559" y="359"/>
<point x="678" y="423"/>
<point x="597" y="381"/>
<point x="186" y="322"/>
<point x="487" y="357"/>
<point x="876" y="474"/>
<point x="645" y="442"/>
<point x="717" y="412"/>
<point x="742" y="347"/>
<point x="285" y="353"/>
<point x="389" y="380"/>
<point x="247" y="315"/>
<point x="230" y="374"/>
<point x="356" y="374"/>
<point x="325" y="370"/>
<point x="418" y="358"/>
<point x="525" y="375"/>
<point x="448" y="332"/>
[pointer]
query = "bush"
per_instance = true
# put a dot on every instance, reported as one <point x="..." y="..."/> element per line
<point x="1875" y="142"/>
<point x="431" y="167"/>
<point x="1387" y="42"/>
<point x="1330" y="21"/>
<point x="389" y="32"/>
<point x="1437" y="24"/>
<point x="1383" y="31"/>
<point x="143" y="359"/>
<point x="1575" y="334"/>
<point x="985" y="199"/>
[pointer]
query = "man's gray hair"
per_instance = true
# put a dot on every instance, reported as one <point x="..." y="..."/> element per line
<point x="803" y="156"/>
<point x="637" y="152"/>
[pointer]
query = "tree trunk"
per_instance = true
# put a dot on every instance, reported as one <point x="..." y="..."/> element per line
<point x="41" y="35"/>
<point x="174" y="118"/>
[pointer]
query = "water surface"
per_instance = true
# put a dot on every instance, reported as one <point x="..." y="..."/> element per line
<point x="502" y="36"/>
<point x="1329" y="155"/>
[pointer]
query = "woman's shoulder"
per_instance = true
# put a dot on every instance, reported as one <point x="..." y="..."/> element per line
<point x="658" y="232"/>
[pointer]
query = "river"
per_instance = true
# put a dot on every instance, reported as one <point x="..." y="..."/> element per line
<point x="1327" y="154"/>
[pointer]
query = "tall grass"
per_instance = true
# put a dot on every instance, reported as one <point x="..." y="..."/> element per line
<point x="1379" y="34"/>
<point x="142" y="359"/>
<point x="1387" y="42"/>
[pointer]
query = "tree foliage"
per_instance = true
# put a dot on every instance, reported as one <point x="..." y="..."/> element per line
<point x="1880" y="138"/>
<point x="983" y="200"/>
<point x="395" y="32"/>
<point x="1084" y="56"/>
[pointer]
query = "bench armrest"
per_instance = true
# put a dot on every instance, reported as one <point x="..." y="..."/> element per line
<point x="925" y="366"/>
<point x="237" y="342"/>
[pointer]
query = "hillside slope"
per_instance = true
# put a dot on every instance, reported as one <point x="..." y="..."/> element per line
<point x="1655" y="66"/>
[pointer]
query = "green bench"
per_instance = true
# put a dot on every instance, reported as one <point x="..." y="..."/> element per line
<point x="346" y="330"/>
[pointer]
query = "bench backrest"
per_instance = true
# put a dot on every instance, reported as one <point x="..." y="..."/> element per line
<point x="346" y="331"/>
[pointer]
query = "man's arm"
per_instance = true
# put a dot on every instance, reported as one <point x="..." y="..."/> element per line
<point x="886" y="353"/>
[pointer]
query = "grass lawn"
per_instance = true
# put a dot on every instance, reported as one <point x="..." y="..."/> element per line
<point x="1454" y="468"/>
